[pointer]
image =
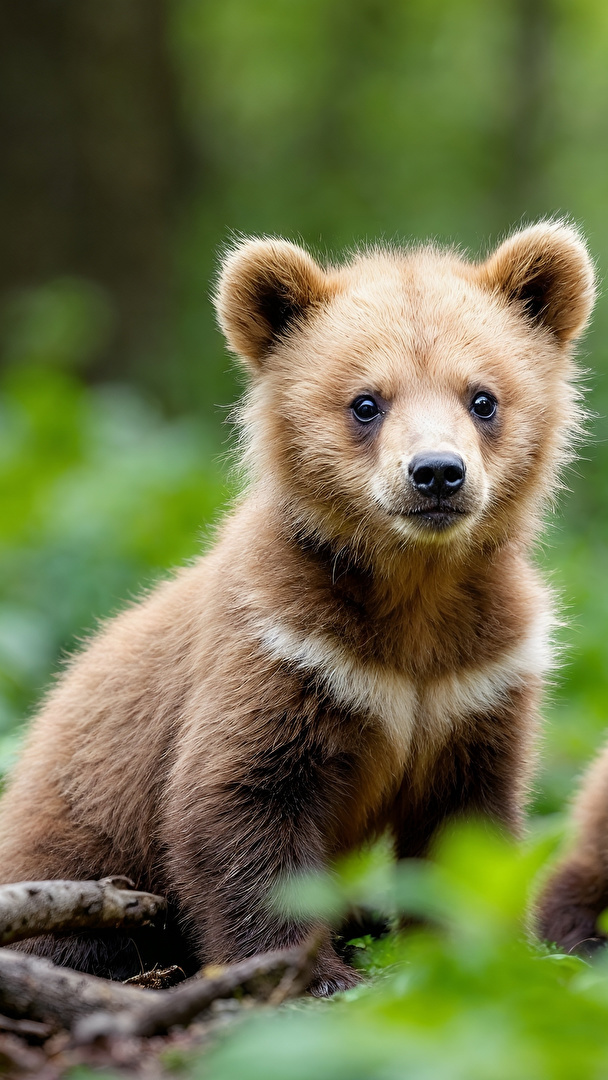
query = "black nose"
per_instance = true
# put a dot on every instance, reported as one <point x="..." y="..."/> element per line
<point x="437" y="475"/>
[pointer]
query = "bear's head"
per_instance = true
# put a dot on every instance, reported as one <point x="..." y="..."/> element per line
<point x="410" y="398"/>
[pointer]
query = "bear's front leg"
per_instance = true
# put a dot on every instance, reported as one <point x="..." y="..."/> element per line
<point x="481" y="773"/>
<point x="233" y="841"/>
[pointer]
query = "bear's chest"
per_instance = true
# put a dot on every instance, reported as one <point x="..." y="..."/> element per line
<point x="412" y="709"/>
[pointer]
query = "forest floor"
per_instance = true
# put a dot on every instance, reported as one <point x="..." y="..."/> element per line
<point x="157" y="1058"/>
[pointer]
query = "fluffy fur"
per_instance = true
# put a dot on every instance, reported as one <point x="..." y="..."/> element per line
<point x="577" y="890"/>
<point x="341" y="663"/>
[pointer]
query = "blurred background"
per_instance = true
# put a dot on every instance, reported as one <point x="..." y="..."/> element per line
<point x="136" y="138"/>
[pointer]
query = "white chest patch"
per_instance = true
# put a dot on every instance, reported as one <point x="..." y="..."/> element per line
<point x="397" y="700"/>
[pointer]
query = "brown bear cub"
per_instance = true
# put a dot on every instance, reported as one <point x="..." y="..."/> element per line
<point x="364" y="647"/>
<point x="577" y="892"/>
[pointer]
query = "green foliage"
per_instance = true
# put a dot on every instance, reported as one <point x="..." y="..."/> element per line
<point x="65" y="323"/>
<point x="100" y="493"/>
<point x="467" y="997"/>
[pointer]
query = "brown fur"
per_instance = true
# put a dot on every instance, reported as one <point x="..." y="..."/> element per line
<point x="334" y="667"/>
<point x="577" y="891"/>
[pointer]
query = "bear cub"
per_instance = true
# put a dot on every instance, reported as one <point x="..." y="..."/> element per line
<point x="363" y="649"/>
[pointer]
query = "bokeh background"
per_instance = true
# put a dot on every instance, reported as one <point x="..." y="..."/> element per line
<point x="136" y="138"/>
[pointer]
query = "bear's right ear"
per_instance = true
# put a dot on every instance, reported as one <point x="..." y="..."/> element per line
<point x="265" y="286"/>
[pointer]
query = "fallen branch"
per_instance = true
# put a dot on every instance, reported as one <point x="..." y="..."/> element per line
<point x="36" y="989"/>
<point x="271" y="976"/>
<point x="30" y="908"/>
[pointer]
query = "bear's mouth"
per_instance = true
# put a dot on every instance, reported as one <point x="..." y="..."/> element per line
<point x="440" y="516"/>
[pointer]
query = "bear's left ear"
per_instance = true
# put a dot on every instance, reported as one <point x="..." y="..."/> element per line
<point x="266" y="286"/>
<point x="546" y="270"/>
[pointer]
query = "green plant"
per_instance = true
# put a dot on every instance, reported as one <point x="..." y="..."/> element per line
<point x="468" y="996"/>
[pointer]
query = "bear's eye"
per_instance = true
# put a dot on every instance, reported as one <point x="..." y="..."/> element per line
<point x="484" y="406"/>
<point x="365" y="408"/>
